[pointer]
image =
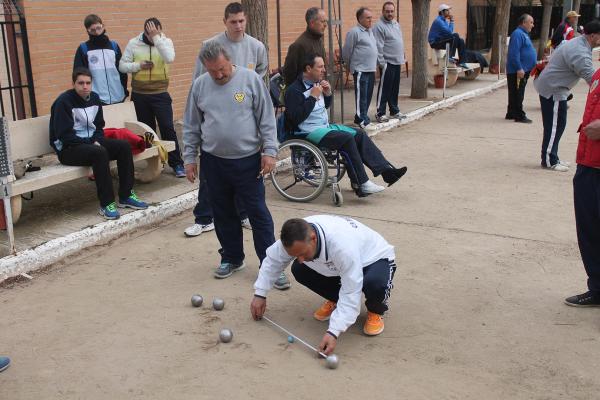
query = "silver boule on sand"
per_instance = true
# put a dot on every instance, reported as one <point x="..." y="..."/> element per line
<point x="332" y="361"/>
<point x="225" y="335"/>
<point x="218" y="303"/>
<point x="197" y="300"/>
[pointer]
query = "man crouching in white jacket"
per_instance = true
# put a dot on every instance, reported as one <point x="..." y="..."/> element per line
<point x="337" y="258"/>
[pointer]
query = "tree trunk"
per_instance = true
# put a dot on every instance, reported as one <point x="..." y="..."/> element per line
<point x="420" y="14"/>
<point x="257" y="22"/>
<point x="576" y="5"/>
<point x="500" y="31"/>
<point x="545" y="31"/>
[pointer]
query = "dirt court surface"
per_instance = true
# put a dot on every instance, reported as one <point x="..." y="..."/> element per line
<point x="486" y="252"/>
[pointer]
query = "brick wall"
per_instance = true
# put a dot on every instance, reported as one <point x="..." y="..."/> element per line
<point x="55" y="30"/>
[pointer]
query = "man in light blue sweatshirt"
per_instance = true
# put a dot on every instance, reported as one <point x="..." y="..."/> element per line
<point x="570" y="62"/>
<point x="360" y="55"/>
<point x="229" y="118"/>
<point x="390" y="57"/>
<point x="442" y="32"/>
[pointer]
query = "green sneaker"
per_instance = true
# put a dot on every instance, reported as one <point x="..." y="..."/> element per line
<point x="110" y="211"/>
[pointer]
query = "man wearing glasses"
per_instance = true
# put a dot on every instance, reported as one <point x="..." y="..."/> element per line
<point x="101" y="56"/>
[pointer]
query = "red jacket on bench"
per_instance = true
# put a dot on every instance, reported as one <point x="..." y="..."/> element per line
<point x="136" y="142"/>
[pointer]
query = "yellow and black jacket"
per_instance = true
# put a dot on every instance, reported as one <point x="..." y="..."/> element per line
<point x="161" y="52"/>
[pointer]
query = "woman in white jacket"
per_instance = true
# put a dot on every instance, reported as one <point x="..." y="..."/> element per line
<point x="338" y="258"/>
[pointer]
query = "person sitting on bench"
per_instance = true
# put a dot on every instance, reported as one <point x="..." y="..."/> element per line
<point x="77" y="136"/>
<point x="442" y="32"/>
<point x="307" y="100"/>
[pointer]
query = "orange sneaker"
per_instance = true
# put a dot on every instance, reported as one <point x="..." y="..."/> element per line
<point x="373" y="325"/>
<point x="323" y="313"/>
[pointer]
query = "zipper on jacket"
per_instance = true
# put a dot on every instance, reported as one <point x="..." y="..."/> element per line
<point x="87" y="122"/>
<point x="106" y="76"/>
<point x="150" y="78"/>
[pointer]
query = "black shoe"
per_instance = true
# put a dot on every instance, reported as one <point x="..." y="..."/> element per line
<point x="570" y="97"/>
<point x="523" y="120"/>
<point x="509" y="116"/>
<point x="391" y="175"/>
<point x="587" y="299"/>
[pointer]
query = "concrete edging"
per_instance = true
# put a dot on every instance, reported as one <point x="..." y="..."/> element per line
<point x="57" y="249"/>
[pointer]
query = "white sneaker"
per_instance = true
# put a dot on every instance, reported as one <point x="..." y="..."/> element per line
<point x="369" y="188"/>
<point x="382" y="118"/>
<point x="398" y="115"/>
<point x="565" y="163"/>
<point x="559" y="167"/>
<point x="246" y="223"/>
<point x="197" y="229"/>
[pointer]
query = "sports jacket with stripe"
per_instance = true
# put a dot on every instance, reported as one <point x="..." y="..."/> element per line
<point x="347" y="246"/>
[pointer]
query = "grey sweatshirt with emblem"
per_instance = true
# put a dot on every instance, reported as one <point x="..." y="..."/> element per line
<point x="390" y="44"/>
<point x="360" y="50"/>
<point x="231" y="121"/>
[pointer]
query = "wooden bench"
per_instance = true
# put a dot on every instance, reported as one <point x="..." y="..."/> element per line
<point x="29" y="141"/>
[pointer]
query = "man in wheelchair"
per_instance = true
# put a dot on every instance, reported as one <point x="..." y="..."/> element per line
<point x="307" y="101"/>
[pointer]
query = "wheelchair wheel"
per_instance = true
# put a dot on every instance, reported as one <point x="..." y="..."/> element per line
<point x="301" y="172"/>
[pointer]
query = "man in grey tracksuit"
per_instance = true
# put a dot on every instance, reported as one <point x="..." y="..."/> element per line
<point x="245" y="51"/>
<point x="230" y="119"/>
<point x="571" y="61"/>
<point x="390" y="57"/>
<point x="360" y="55"/>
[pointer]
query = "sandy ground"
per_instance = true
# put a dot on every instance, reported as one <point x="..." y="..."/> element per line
<point x="486" y="250"/>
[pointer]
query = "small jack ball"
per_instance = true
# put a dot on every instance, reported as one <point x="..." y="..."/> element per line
<point x="218" y="304"/>
<point x="290" y="339"/>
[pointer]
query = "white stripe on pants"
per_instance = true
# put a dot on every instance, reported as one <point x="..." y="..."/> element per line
<point x="357" y="83"/>
<point x="553" y="135"/>
<point x="380" y="88"/>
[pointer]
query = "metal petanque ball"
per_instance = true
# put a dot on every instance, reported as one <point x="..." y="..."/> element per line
<point x="332" y="361"/>
<point x="225" y="335"/>
<point x="290" y="339"/>
<point x="197" y="300"/>
<point x="218" y="304"/>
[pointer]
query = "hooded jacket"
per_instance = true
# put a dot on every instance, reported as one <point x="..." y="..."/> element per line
<point x="588" y="150"/>
<point x="101" y="56"/>
<point x="75" y="120"/>
<point x="161" y="52"/>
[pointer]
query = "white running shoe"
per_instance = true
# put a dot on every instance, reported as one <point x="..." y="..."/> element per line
<point x="369" y="188"/>
<point x="197" y="229"/>
<point x="382" y="118"/>
<point x="246" y="224"/>
<point x="398" y="115"/>
<point x="565" y="163"/>
<point x="558" y="167"/>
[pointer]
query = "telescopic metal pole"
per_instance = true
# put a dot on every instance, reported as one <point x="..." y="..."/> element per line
<point x="446" y="70"/>
<point x="499" y="54"/>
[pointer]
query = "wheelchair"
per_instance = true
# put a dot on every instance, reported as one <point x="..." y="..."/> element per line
<point x="303" y="170"/>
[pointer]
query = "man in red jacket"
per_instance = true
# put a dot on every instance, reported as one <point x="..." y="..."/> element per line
<point x="586" y="187"/>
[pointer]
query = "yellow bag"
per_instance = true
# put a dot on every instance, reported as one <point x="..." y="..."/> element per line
<point x="152" y="140"/>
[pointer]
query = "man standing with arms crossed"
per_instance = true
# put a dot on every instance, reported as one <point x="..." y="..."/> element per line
<point x="245" y="51"/>
<point x="360" y="54"/>
<point x="390" y="57"/>
<point x="229" y="117"/>
<point x="569" y="62"/>
<point x="520" y="61"/>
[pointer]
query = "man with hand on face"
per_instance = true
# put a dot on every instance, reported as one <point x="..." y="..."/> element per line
<point x="247" y="52"/>
<point x="229" y="117"/>
<point x="442" y="32"/>
<point x="307" y="101"/>
<point x="147" y="57"/>
<point x="101" y="56"/>
<point x="339" y="259"/>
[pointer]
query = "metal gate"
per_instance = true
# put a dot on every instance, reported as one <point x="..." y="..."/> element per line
<point x="17" y="95"/>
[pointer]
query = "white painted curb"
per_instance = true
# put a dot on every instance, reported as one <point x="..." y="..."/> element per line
<point x="446" y="103"/>
<point x="59" y="248"/>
